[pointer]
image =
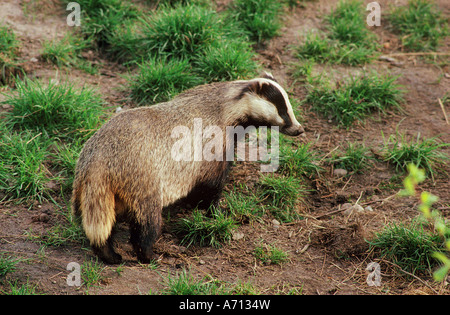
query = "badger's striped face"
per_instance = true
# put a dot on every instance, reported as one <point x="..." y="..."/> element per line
<point x="269" y="104"/>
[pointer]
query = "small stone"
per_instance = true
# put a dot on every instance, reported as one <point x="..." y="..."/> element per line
<point x="276" y="223"/>
<point x="350" y="209"/>
<point x="346" y="205"/>
<point x="368" y="208"/>
<point x="201" y="262"/>
<point x="358" y="208"/>
<point x="339" y="172"/>
<point x="237" y="236"/>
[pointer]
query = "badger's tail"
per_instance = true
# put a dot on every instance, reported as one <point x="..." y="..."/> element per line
<point x="94" y="202"/>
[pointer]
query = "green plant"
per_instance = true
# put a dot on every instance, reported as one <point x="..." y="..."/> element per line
<point x="67" y="52"/>
<point x="24" y="289"/>
<point x="424" y="153"/>
<point x="205" y="230"/>
<point x="7" y="264"/>
<point x="281" y="195"/>
<point x="243" y="205"/>
<point x="347" y="41"/>
<point x="102" y="17"/>
<point x="182" y="31"/>
<point x="185" y="284"/>
<point x="421" y="25"/>
<point x="58" y="110"/>
<point x="160" y="79"/>
<point x="415" y="177"/>
<point x="409" y="246"/>
<point x="355" y="158"/>
<point x="261" y="18"/>
<point x="8" y="41"/>
<point x="226" y="61"/>
<point x="269" y="254"/>
<point x="23" y="170"/>
<point x="347" y="24"/>
<point x="92" y="273"/>
<point x="355" y="98"/>
<point x="299" y="160"/>
<point x="65" y="232"/>
<point x="9" y="67"/>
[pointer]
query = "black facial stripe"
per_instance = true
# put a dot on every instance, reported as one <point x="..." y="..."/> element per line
<point x="271" y="93"/>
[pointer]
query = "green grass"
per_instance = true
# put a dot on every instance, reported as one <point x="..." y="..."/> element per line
<point x="354" y="159"/>
<point x="347" y="40"/>
<point x="23" y="165"/>
<point x="9" y="66"/>
<point x="261" y="18"/>
<point x="92" y="273"/>
<point x="425" y="153"/>
<point x="184" y="283"/>
<point x="420" y="24"/>
<point x="299" y="159"/>
<point x="58" y="110"/>
<point x="21" y="289"/>
<point x="101" y="19"/>
<point x="159" y="80"/>
<point x="347" y="24"/>
<point x="181" y="31"/>
<point x="356" y="98"/>
<point x="409" y="246"/>
<point x="184" y="46"/>
<point x="243" y="205"/>
<point x="7" y="265"/>
<point x="281" y="195"/>
<point x="269" y="254"/>
<point x="67" y="53"/>
<point x="203" y="230"/>
<point x="8" y="41"/>
<point x="226" y="61"/>
<point x="42" y="136"/>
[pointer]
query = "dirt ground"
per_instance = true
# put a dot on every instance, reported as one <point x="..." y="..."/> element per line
<point x="327" y="250"/>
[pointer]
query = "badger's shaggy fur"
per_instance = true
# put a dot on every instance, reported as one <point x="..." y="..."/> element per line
<point x="126" y="167"/>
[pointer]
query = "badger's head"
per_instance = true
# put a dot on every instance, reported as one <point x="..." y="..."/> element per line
<point x="267" y="104"/>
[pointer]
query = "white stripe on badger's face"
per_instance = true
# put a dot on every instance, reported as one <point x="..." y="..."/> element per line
<point x="270" y="103"/>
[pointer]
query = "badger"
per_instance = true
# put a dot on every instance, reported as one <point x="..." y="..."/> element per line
<point x="126" y="168"/>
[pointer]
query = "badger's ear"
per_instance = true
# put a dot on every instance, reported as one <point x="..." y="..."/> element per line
<point x="265" y="90"/>
<point x="268" y="75"/>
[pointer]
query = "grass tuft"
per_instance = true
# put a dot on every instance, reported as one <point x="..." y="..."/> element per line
<point x="59" y="110"/>
<point x="420" y="24"/>
<point x="356" y="98"/>
<point x="348" y="40"/>
<point x="281" y="195"/>
<point x="159" y="80"/>
<point x="269" y="254"/>
<point x="206" y="230"/>
<point x="261" y="18"/>
<point x="424" y="153"/>
<point x="409" y="246"/>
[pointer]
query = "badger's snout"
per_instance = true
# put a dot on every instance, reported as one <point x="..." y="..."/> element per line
<point x="293" y="130"/>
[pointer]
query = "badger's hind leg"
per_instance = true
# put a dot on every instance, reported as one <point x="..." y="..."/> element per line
<point x="145" y="228"/>
<point x="95" y="203"/>
<point x="107" y="253"/>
